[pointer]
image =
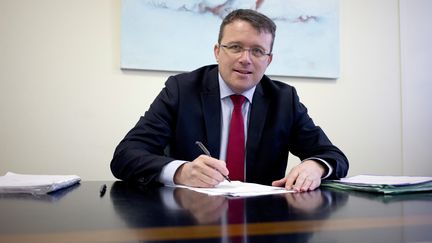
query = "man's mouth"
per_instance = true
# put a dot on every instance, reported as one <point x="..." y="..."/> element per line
<point x="243" y="71"/>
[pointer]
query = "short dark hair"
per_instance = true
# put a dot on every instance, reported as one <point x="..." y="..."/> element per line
<point x="258" y="20"/>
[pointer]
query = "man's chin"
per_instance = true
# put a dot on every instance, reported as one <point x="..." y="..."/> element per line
<point x="241" y="88"/>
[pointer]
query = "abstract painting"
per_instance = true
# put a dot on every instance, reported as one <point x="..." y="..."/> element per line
<point x="179" y="35"/>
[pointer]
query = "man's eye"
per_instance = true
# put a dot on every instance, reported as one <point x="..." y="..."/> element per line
<point x="258" y="52"/>
<point x="236" y="48"/>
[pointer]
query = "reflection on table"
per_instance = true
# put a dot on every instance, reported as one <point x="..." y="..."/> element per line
<point x="132" y="213"/>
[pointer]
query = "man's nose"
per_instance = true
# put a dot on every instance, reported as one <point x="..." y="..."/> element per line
<point x="246" y="56"/>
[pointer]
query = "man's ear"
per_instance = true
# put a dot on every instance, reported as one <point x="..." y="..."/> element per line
<point x="216" y="52"/>
<point x="270" y="59"/>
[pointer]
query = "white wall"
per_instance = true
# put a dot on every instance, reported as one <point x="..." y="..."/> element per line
<point x="65" y="104"/>
<point x="416" y="53"/>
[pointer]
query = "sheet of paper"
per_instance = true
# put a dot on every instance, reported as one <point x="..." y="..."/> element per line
<point x="239" y="189"/>
<point x="35" y="184"/>
<point x="385" y="180"/>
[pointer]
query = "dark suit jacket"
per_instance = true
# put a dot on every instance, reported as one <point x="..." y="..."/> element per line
<point x="188" y="109"/>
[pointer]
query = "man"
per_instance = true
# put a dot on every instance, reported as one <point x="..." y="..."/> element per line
<point x="268" y="123"/>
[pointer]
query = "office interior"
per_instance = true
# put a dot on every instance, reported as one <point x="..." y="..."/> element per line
<point x="65" y="103"/>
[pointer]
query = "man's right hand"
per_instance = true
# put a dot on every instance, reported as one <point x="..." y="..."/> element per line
<point x="204" y="171"/>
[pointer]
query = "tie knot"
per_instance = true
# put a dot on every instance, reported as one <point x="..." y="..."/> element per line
<point x="237" y="100"/>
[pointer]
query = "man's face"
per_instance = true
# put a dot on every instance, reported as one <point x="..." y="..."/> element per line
<point x="241" y="71"/>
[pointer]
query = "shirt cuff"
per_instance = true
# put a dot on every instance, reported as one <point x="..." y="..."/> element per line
<point x="166" y="176"/>
<point x="330" y="169"/>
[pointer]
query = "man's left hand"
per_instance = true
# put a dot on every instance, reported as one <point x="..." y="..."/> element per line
<point x="304" y="177"/>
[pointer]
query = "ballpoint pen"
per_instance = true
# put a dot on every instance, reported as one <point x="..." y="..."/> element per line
<point x="102" y="190"/>
<point x="204" y="149"/>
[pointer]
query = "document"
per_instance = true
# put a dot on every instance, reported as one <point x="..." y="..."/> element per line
<point x="35" y="184"/>
<point x="386" y="180"/>
<point x="239" y="189"/>
<point x="382" y="184"/>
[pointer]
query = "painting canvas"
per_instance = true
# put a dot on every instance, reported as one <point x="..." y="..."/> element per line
<point x="179" y="35"/>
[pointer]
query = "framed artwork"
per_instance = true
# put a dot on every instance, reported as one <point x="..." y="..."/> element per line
<point x="179" y="35"/>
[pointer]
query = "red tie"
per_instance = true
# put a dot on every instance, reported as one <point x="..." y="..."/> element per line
<point x="236" y="141"/>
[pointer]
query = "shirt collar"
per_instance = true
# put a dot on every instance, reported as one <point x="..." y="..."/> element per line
<point x="225" y="91"/>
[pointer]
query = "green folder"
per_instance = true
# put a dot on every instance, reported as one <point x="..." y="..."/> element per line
<point x="382" y="184"/>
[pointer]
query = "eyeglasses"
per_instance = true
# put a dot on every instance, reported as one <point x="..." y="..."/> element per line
<point x="236" y="49"/>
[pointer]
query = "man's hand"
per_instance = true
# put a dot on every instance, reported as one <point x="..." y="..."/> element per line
<point x="304" y="177"/>
<point x="204" y="171"/>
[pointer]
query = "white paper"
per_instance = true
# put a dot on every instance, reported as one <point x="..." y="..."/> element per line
<point x="36" y="184"/>
<point x="386" y="180"/>
<point x="239" y="189"/>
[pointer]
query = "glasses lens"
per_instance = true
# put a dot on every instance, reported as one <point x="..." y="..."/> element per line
<point x="257" y="52"/>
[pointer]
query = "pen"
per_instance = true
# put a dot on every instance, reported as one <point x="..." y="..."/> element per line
<point x="102" y="190"/>
<point x="204" y="149"/>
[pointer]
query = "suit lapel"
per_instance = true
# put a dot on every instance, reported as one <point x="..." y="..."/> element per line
<point x="211" y="106"/>
<point x="257" y="119"/>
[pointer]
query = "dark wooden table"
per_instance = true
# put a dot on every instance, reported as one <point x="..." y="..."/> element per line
<point x="130" y="213"/>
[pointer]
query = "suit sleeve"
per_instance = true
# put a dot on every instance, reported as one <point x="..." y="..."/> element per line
<point x="140" y="156"/>
<point x="309" y="140"/>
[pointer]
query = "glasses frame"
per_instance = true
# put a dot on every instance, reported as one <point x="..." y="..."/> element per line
<point x="249" y="50"/>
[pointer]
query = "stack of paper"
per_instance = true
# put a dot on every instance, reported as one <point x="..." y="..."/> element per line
<point x="35" y="184"/>
<point x="239" y="189"/>
<point x="382" y="184"/>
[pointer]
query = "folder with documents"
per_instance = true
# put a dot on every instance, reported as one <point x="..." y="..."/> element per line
<point x="35" y="184"/>
<point x="382" y="184"/>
